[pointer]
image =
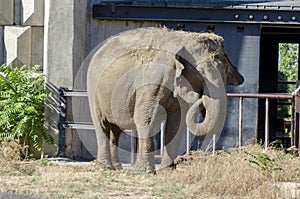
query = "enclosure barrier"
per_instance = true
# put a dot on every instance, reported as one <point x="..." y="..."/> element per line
<point x="267" y="97"/>
<point x="295" y="97"/>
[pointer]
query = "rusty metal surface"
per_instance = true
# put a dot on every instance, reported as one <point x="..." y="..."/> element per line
<point x="261" y="95"/>
<point x="267" y="97"/>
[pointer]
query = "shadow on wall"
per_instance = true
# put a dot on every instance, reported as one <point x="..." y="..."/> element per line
<point x="53" y="114"/>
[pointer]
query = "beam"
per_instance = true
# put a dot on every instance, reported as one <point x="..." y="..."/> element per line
<point x="113" y="11"/>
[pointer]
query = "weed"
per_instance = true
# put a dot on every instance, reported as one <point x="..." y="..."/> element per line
<point x="265" y="162"/>
<point x="43" y="161"/>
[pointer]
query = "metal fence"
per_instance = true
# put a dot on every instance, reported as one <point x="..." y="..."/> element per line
<point x="267" y="97"/>
<point x="295" y="98"/>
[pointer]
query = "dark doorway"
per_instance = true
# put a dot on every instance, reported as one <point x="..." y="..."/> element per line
<point x="273" y="80"/>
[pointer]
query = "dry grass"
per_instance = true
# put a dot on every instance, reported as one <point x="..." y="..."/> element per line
<point x="198" y="175"/>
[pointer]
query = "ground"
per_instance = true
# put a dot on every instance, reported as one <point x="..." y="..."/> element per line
<point x="251" y="173"/>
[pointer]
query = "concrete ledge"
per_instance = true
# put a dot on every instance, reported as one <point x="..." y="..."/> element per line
<point x="289" y="189"/>
<point x="6" y="12"/>
<point x="32" y="12"/>
<point x="17" y="42"/>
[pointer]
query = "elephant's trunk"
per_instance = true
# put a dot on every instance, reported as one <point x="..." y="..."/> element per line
<point x="214" y="102"/>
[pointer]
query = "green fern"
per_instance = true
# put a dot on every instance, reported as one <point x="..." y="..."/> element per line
<point x="22" y="105"/>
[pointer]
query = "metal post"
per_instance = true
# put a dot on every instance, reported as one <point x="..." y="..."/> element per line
<point x="293" y="131"/>
<point x="187" y="140"/>
<point x="240" y="123"/>
<point x="62" y="119"/>
<point x="214" y="143"/>
<point x="162" y="142"/>
<point x="267" y="124"/>
<point x="133" y="136"/>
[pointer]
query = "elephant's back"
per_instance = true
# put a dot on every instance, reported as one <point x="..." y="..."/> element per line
<point x="123" y="61"/>
<point x="142" y="39"/>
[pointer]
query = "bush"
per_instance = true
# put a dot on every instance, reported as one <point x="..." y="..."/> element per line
<point x="22" y="106"/>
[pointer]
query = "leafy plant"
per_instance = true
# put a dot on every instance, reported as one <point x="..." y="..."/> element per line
<point x="22" y="105"/>
<point x="265" y="162"/>
<point x="288" y="73"/>
<point x="288" y="62"/>
<point x="43" y="161"/>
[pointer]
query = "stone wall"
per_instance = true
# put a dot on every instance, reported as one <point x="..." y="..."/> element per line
<point x="21" y="32"/>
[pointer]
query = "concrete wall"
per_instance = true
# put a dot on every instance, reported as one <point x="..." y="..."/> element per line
<point x="65" y="44"/>
<point x="21" y="32"/>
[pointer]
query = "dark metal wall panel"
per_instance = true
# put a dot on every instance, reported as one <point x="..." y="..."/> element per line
<point x="284" y="4"/>
<point x="195" y="14"/>
<point x="243" y="48"/>
<point x="242" y="43"/>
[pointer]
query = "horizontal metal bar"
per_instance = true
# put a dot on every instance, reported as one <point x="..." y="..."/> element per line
<point x="71" y="93"/>
<point x="245" y="95"/>
<point x="286" y="82"/>
<point x="78" y="126"/>
<point x="261" y="95"/>
<point x="194" y="14"/>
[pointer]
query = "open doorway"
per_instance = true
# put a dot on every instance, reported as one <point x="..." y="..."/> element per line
<point x="279" y="63"/>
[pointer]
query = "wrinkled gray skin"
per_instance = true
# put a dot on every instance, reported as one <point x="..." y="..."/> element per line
<point x="141" y="77"/>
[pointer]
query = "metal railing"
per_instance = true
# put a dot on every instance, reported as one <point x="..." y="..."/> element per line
<point x="267" y="97"/>
<point x="241" y="96"/>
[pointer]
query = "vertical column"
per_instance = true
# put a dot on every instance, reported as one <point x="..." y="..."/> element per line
<point x="64" y="50"/>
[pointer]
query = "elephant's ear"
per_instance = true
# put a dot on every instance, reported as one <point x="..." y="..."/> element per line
<point x="233" y="75"/>
<point x="182" y="86"/>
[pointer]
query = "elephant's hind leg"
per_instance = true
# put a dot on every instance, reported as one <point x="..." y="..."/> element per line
<point x="103" y="140"/>
<point x="115" y="133"/>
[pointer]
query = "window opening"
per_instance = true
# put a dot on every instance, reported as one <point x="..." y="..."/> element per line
<point x="288" y="56"/>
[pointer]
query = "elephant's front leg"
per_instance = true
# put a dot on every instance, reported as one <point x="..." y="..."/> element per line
<point x="145" y="156"/>
<point x="175" y="126"/>
<point x="145" y="115"/>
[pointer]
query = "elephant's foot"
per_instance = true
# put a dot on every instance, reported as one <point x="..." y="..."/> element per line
<point x="167" y="163"/>
<point x="144" y="165"/>
<point x="105" y="164"/>
<point x="118" y="166"/>
<point x="139" y="167"/>
<point x="167" y="167"/>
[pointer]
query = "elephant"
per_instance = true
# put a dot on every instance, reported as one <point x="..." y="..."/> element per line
<point x="144" y="76"/>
